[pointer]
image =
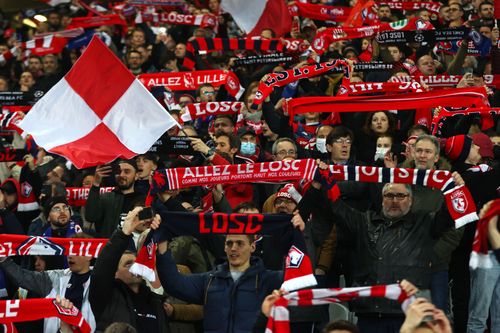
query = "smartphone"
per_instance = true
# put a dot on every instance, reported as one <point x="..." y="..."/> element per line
<point x="115" y="167"/>
<point x="146" y="214"/>
<point x="47" y="190"/>
<point x="427" y="295"/>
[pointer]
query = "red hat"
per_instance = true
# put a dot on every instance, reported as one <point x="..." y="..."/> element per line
<point x="457" y="147"/>
<point x="485" y="145"/>
<point x="289" y="192"/>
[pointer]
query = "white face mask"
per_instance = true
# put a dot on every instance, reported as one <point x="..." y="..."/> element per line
<point x="321" y="145"/>
<point x="380" y="153"/>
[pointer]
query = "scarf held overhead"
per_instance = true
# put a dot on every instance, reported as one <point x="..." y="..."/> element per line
<point x="228" y="44"/>
<point x="298" y="271"/>
<point x="323" y="39"/>
<point x="319" y="12"/>
<point x="281" y="79"/>
<point x="279" y="319"/>
<point x="438" y="81"/>
<point x="204" y="110"/>
<point x="181" y="81"/>
<point x="458" y="199"/>
<point x="77" y="196"/>
<point x="459" y="97"/>
<point x="204" y="21"/>
<point x="38" y="308"/>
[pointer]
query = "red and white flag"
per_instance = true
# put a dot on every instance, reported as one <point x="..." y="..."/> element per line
<point x="254" y="16"/>
<point x="98" y="112"/>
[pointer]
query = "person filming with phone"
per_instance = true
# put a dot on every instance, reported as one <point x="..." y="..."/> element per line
<point x="106" y="210"/>
<point x="116" y="295"/>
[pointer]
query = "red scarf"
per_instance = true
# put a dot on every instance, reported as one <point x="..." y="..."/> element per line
<point x="362" y="88"/>
<point x="77" y="196"/>
<point x="295" y="45"/>
<point x="281" y="79"/>
<point x="45" y="45"/>
<point x="363" y="12"/>
<point x="459" y="97"/>
<point x="39" y="308"/>
<point x="22" y="245"/>
<point x="96" y="21"/>
<point x="228" y="44"/>
<point x="330" y="35"/>
<point x="204" y="21"/>
<point x="479" y="256"/>
<point x="204" y="110"/>
<point x="438" y="81"/>
<point x="458" y="199"/>
<point x="278" y="321"/>
<point x="182" y="81"/>
<point x="319" y="12"/>
<point x="432" y="7"/>
<point x="487" y="120"/>
<point x="11" y="120"/>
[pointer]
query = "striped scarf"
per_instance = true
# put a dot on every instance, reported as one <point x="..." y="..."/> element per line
<point x="280" y="79"/>
<point x="480" y="256"/>
<point x="279" y="319"/>
<point x="458" y="199"/>
<point x="33" y="309"/>
<point x="228" y="44"/>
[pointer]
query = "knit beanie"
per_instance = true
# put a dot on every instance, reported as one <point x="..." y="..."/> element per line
<point x="457" y="147"/>
<point x="485" y="145"/>
<point x="289" y="192"/>
<point x="51" y="203"/>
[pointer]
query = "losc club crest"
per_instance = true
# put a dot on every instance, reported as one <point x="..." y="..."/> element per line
<point x="26" y="189"/>
<point x="319" y="43"/>
<point x="66" y="312"/>
<point x="294" y="258"/>
<point x="151" y="249"/>
<point x="459" y="201"/>
<point x="39" y="246"/>
<point x="189" y="81"/>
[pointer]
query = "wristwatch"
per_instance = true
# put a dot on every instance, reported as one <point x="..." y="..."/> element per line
<point x="210" y="152"/>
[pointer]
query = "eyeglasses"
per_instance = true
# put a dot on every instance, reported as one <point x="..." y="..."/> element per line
<point x="290" y="152"/>
<point x="343" y="141"/>
<point x="60" y="209"/>
<point x="397" y="196"/>
<point x="209" y="93"/>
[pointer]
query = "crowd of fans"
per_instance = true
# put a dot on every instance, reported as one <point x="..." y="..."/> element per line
<point x="372" y="234"/>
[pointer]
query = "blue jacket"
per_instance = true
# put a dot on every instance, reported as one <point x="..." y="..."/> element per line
<point x="229" y="307"/>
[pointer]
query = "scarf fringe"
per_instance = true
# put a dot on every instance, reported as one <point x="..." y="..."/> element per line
<point x="466" y="219"/>
<point x="300" y="282"/>
<point x="143" y="270"/>
<point x="480" y="260"/>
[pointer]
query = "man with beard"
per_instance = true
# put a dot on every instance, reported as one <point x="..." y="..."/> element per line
<point x="58" y="215"/>
<point x="106" y="209"/>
